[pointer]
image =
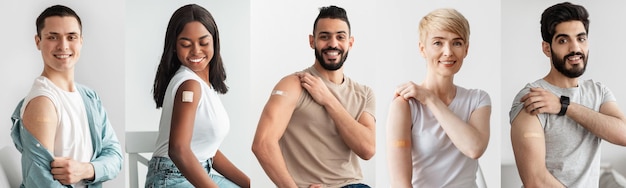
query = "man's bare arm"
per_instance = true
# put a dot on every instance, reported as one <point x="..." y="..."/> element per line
<point x="529" y="147"/>
<point x="608" y="124"/>
<point x="40" y="119"/>
<point x="272" y="125"/>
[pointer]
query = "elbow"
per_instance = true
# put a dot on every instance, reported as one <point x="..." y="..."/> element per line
<point x="367" y="153"/>
<point x="475" y="153"/>
<point x="175" y="152"/>
<point x="259" y="148"/>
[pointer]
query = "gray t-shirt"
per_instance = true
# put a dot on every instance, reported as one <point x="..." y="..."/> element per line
<point x="572" y="152"/>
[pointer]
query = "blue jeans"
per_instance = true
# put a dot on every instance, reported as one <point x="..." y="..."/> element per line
<point x="360" y="185"/>
<point x="163" y="173"/>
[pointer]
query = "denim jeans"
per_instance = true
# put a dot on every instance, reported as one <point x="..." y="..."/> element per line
<point x="163" y="173"/>
<point x="360" y="185"/>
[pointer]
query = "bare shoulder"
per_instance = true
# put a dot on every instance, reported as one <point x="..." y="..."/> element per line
<point x="39" y="109"/>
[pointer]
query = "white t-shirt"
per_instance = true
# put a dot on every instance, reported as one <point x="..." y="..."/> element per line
<point x="73" y="137"/>
<point x="210" y="126"/>
<point x="436" y="161"/>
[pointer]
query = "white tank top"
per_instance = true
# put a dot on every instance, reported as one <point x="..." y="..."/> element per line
<point x="210" y="126"/>
<point x="73" y="137"/>
<point x="436" y="161"/>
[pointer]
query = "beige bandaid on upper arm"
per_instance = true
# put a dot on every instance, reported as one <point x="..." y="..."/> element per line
<point x="187" y="96"/>
<point x="532" y="135"/>
<point x="401" y="143"/>
<point x="279" y="92"/>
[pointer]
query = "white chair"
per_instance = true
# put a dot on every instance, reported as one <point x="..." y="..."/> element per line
<point x="136" y="143"/>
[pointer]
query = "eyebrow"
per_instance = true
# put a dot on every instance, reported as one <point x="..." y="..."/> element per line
<point x="565" y="35"/>
<point x="56" y="33"/>
<point x="458" y="38"/>
<point x="338" y="32"/>
<point x="185" y="38"/>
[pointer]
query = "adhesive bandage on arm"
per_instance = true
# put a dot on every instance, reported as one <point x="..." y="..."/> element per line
<point x="401" y="143"/>
<point x="532" y="135"/>
<point x="187" y="96"/>
<point x="279" y="92"/>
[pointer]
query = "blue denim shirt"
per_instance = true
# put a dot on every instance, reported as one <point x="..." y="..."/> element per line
<point x="107" y="158"/>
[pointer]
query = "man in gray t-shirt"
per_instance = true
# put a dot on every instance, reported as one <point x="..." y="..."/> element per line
<point x="557" y="122"/>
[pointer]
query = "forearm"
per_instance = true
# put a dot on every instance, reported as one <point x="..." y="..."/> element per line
<point x="467" y="138"/>
<point x="400" y="165"/>
<point x="360" y="139"/>
<point x="271" y="159"/>
<point x="539" y="179"/>
<point x="190" y="167"/>
<point x="222" y="165"/>
<point x="605" y="126"/>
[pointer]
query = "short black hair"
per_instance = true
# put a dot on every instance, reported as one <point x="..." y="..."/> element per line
<point x="559" y="13"/>
<point x="333" y="12"/>
<point x="56" y="10"/>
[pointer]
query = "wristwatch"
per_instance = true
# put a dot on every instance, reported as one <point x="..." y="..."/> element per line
<point x="564" y="104"/>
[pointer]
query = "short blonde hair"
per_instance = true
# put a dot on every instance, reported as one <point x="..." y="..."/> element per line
<point x="444" y="19"/>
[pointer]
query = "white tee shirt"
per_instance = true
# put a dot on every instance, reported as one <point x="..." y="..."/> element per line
<point x="436" y="161"/>
<point x="210" y="126"/>
<point x="73" y="137"/>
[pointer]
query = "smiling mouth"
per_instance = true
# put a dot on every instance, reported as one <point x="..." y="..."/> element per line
<point x="196" y="60"/>
<point x="447" y="62"/>
<point x="574" y="58"/>
<point x="62" y="56"/>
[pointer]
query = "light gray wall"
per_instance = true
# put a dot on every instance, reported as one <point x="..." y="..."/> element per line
<point x="101" y="65"/>
<point x="523" y="61"/>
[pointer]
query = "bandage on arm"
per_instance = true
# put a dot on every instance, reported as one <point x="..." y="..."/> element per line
<point x="187" y="96"/>
<point x="529" y="148"/>
<point x="279" y="92"/>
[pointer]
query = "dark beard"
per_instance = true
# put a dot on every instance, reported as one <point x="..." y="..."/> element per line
<point x="559" y="64"/>
<point x="329" y="66"/>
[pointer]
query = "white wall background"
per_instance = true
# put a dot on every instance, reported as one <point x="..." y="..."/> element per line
<point x="145" y="24"/>
<point x="524" y="62"/>
<point x="100" y="67"/>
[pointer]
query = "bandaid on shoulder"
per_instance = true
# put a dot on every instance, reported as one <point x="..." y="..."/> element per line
<point x="278" y="92"/>
<point x="532" y="135"/>
<point x="187" y="96"/>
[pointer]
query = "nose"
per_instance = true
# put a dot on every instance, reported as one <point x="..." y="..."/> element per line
<point x="64" y="44"/>
<point x="195" y="49"/>
<point x="333" y="42"/>
<point x="447" y="51"/>
<point x="575" y="47"/>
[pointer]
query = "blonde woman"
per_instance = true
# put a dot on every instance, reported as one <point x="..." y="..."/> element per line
<point x="437" y="130"/>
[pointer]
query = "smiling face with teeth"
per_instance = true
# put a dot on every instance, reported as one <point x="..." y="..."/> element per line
<point x="569" y="49"/>
<point x="60" y="43"/>
<point x="194" y="48"/>
<point x="444" y="52"/>
<point x="331" y="41"/>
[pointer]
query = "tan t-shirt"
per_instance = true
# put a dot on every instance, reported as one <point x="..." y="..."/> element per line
<point x="313" y="149"/>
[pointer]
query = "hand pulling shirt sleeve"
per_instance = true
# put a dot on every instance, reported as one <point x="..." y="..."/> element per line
<point x="107" y="158"/>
